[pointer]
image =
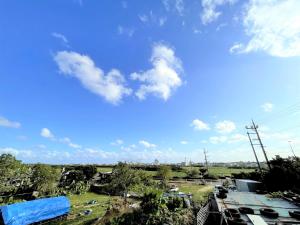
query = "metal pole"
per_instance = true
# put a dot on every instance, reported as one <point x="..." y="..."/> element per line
<point x="254" y="153"/>
<point x="262" y="146"/>
<point x="290" y="142"/>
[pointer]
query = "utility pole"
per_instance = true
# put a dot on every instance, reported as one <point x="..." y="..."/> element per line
<point x="205" y="157"/>
<point x="254" y="152"/>
<point x="290" y="143"/>
<point x="254" y="127"/>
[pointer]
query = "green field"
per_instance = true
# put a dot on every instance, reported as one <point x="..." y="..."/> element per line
<point x="79" y="203"/>
<point x="225" y="171"/>
<point x="199" y="192"/>
<point x="215" y="171"/>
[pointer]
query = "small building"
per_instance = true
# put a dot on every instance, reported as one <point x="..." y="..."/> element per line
<point x="247" y="185"/>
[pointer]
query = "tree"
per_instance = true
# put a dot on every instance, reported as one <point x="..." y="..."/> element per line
<point x="192" y="172"/>
<point x="123" y="179"/>
<point x="164" y="173"/>
<point x="203" y="171"/>
<point x="12" y="173"/>
<point x="45" y="178"/>
<point x="88" y="171"/>
<point x="283" y="175"/>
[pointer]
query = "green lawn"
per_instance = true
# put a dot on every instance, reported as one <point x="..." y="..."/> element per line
<point x="79" y="204"/>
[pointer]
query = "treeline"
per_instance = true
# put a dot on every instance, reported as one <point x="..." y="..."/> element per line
<point x="19" y="181"/>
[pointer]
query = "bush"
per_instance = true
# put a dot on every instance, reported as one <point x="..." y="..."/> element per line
<point x="174" y="203"/>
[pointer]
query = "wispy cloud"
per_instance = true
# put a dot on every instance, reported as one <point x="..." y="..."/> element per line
<point x="267" y="107"/>
<point x="46" y="133"/>
<point x="147" y="144"/>
<point x="164" y="78"/>
<point x="8" y="123"/>
<point x="60" y="37"/>
<point x="176" y="5"/>
<point x="210" y="13"/>
<point x="117" y="142"/>
<point x="126" y="31"/>
<point x="68" y="141"/>
<point x="110" y="86"/>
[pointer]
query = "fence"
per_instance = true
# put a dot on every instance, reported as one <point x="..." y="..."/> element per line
<point x="203" y="214"/>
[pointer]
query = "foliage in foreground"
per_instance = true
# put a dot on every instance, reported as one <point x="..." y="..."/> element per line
<point x="155" y="210"/>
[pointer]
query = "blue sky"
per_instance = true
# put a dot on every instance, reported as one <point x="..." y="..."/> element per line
<point x="104" y="81"/>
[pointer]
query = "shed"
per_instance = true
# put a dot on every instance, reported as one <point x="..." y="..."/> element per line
<point x="247" y="185"/>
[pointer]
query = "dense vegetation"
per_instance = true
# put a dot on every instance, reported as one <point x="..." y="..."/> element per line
<point x="156" y="210"/>
<point x="283" y="175"/>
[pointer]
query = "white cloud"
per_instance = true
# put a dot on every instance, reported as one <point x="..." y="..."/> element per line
<point x="267" y="107"/>
<point x="176" y="5"/>
<point x="225" y="126"/>
<point x="126" y="31"/>
<point x="110" y="86"/>
<point x="184" y="142"/>
<point x="164" y="78"/>
<point x="7" y="123"/>
<point x="61" y="37"/>
<point x="46" y="133"/>
<point x="273" y="26"/>
<point x="147" y="144"/>
<point x="199" y="125"/>
<point x="210" y="12"/>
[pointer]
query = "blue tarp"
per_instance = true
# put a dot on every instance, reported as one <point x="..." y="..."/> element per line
<point x="34" y="211"/>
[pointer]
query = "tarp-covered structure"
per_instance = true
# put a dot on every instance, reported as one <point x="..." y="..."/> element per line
<point x="29" y="212"/>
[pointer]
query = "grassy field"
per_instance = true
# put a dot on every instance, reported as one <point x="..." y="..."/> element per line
<point x="225" y="171"/>
<point x="79" y="203"/>
<point x="199" y="192"/>
<point x="215" y="171"/>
